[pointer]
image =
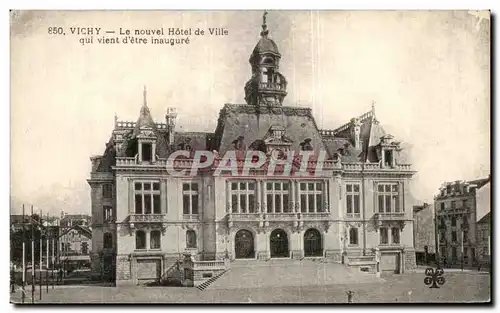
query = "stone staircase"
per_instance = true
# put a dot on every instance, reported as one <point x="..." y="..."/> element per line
<point x="207" y="283"/>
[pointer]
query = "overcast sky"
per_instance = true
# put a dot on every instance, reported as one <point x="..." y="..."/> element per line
<point x="428" y="73"/>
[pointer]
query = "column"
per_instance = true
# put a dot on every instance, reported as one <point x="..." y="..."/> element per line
<point x="148" y="238"/>
<point x="264" y="197"/>
<point x="228" y="197"/>
<point x="257" y="195"/>
<point x="292" y="196"/>
<point x="140" y="150"/>
<point x="297" y="192"/>
<point x="131" y="200"/>
<point x="153" y="152"/>
<point x="163" y="196"/>
<point x="325" y="196"/>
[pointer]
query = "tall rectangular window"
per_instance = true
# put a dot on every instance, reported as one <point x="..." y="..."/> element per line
<point x="311" y="197"/>
<point x="147" y="198"/>
<point x="395" y="235"/>
<point x="442" y="206"/>
<point x="389" y="197"/>
<point x="453" y="205"/>
<point x="190" y="198"/>
<point x="353" y="200"/>
<point x="454" y="236"/>
<point x="243" y="197"/>
<point x="107" y="191"/>
<point x="107" y="213"/>
<point x="384" y="236"/>
<point x="147" y="152"/>
<point x="278" y="197"/>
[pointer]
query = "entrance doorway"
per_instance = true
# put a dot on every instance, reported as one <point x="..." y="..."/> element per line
<point x="243" y="245"/>
<point x="312" y="243"/>
<point x="279" y="244"/>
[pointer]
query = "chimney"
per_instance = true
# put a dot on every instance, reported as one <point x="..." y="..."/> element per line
<point x="356" y="131"/>
<point x="170" y="118"/>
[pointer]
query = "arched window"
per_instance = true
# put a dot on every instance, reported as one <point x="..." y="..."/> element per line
<point x="191" y="239"/>
<point x="108" y="241"/>
<point x="353" y="236"/>
<point x="155" y="239"/>
<point x="140" y="239"/>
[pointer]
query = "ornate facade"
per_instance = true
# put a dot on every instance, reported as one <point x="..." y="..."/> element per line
<point x="144" y="219"/>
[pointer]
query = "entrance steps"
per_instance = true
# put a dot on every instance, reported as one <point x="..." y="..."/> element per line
<point x="207" y="283"/>
<point x="288" y="272"/>
<point x="362" y="263"/>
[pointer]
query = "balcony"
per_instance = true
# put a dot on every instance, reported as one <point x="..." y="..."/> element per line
<point x="146" y="218"/>
<point x="353" y="215"/>
<point x="270" y="217"/>
<point x="133" y="161"/>
<point x="272" y="86"/>
<point x="191" y="217"/>
<point x="237" y="217"/>
<point x="390" y="216"/>
<point x="356" y="166"/>
<point x="317" y="216"/>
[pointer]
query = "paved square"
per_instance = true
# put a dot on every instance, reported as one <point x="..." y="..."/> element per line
<point x="459" y="287"/>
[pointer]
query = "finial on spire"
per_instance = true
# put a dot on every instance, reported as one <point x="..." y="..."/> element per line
<point x="116" y="119"/>
<point x="144" y="96"/>
<point x="373" y="111"/>
<point x="264" y="31"/>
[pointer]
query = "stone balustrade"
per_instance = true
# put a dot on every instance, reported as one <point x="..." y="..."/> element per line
<point x="146" y="218"/>
<point x="390" y="216"/>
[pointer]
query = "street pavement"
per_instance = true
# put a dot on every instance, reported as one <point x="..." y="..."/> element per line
<point x="297" y="286"/>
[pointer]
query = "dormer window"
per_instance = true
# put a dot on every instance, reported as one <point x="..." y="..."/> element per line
<point x="147" y="152"/>
<point x="388" y="158"/>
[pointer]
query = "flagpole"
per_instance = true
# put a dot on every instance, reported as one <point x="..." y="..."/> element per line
<point x="24" y="261"/>
<point x="32" y="258"/>
<point x="462" y="248"/>
<point x="41" y="252"/>
<point x="53" y="261"/>
<point x="47" y="235"/>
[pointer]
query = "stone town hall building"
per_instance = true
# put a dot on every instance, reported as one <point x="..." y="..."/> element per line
<point x="144" y="219"/>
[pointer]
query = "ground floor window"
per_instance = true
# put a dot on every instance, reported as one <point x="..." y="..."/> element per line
<point x="191" y="239"/>
<point x="155" y="239"/>
<point x="384" y="236"/>
<point x="395" y="235"/>
<point x="140" y="240"/>
<point x="353" y="236"/>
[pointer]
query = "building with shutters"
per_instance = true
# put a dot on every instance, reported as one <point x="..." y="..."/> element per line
<point x="456" y="221"/>
<point x="144" y="218"/>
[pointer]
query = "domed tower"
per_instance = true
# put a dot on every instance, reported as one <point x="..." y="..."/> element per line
<point x="267" y="86"/>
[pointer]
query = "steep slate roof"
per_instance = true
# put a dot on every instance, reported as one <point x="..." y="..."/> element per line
<point x="480" y="182"/>
<point x="485" y="219"/>
<point x="253" y="123"/>
<point x="81" y="229"/>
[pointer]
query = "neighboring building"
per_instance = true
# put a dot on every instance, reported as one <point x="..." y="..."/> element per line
<point x="424" y="233"/>
<point x="144" y="219"/>
<point x="70" y="220"/>
<point x="484" y="239"/>
<point x="76" y="244"/>
<point x="456" y="216"/>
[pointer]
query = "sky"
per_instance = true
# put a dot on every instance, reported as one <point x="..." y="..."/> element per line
<point x="428" y="73"/>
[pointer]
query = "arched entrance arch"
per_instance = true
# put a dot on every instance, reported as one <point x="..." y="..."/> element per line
<point x="312" y="243"/>
<point x="279" y="244"/>
<point x="244" y="245"/>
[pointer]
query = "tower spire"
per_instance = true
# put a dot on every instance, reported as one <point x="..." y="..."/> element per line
<point x="144" y="96"/>
<point x="264" y="31"/>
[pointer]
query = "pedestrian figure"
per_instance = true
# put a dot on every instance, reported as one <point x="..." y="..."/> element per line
<point x="350" y="295"/>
